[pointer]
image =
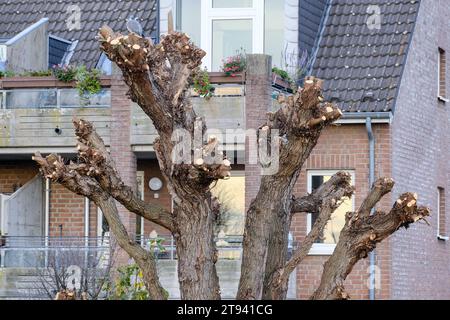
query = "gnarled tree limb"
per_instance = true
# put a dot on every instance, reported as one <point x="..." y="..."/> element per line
<point x="312" y="203"/>
<point x="328" y="197"/>
<point x="360" y="235"/>
<point x="159" y="76"/>
<point x="100" y="165"/>
<point x="75" y="179"/>
<point x="299" y="122"/>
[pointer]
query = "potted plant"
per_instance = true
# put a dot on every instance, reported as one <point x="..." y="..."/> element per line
<point x="234" y="65"/>
<point x="202" y="85"/>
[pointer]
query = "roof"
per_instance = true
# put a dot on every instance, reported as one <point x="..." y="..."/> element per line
<point x="311" y="14"/>
<point x="19" y="14"/>
<point x="362" y="67"/>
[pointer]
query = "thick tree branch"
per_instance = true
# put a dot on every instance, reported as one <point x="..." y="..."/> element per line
<point x="159" y="76"/>
<point x="299" y="122"/>
<point x="98" y="163"/>
<point x="312" y="203"/>
<point x="75" y="179"/>
<point x="328" y="198"/>
<point x="360" y="235"/>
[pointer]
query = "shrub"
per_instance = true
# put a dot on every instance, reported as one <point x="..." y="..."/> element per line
<point x="88" y="81"/>
<point x="64" y="73"/>
<point x="202" y="85"/>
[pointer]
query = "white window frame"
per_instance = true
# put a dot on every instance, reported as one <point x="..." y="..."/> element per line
<point x="322" y="249"/>
<point x="256" y="14"/>
<point x="441" y="98"/>
<point x="438" y="214"/>
<point x="141" y="175"/>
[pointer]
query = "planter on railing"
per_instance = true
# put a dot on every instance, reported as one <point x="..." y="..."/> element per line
<point x="43" y="82"/>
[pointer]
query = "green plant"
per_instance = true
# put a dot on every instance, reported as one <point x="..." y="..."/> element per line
<point x="37" y="73"/>
<point x="65" y="73"/>
<point x="129" y="285"/>
<point x="235" y="64"/>
<point x="6" y="74"/>
<point x="202" y="84"/>
<point x="282" y="74"/>
<point x="88" y="81"/>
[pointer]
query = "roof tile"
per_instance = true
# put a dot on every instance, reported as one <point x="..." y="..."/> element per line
<point x="355" y="60"/>
<point x="19" y="14"/>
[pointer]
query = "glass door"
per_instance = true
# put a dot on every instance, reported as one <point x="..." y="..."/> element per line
<point x="231" y="26"/>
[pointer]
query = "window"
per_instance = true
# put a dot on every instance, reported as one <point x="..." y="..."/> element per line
<point x="441" y="224"/>
<point x="224" y="27"/>
<point x="442" y="76"/>
<point x="326" y="244"/>
<point x="231" y="195"/>
<point x="228" y="37"/>
<point x="274" y="31"/>
<point x="189" y="19"/>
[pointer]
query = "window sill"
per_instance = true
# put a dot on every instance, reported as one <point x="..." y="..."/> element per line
<point x="443" y="238"/>
<point x="442" y="99"/>
<point x="322" y="249"/>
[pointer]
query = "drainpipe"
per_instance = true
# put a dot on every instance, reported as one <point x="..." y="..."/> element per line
<point x="86" y="229"/>
<point x="86" y="220"/>
<point x="371" y="138"/>
<point x="47" y="218"/>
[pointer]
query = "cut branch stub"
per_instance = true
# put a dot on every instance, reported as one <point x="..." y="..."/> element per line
<point x="304" y="111"/>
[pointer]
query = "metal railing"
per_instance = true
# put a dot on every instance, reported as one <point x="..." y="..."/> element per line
<point x="29" y="251"/>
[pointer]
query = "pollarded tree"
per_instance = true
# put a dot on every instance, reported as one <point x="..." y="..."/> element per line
<point x="158" y="77"/>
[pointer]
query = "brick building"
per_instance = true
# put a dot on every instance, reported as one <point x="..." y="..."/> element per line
<point x="383" y="64"/>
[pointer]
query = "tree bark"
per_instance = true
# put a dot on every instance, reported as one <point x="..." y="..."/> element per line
<point x="360" y="235"/>
<point x="158" y="77"/>
<point x="299" y="123"/>
<point x="75" y="179"/>
<point x="326" y="199"/>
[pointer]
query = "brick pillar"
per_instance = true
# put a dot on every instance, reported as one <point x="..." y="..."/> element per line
<point x="120" y="147"/>
<point x="258" y="99"/>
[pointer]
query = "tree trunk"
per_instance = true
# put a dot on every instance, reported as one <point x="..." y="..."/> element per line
<point x="196" y="250"/>
<point x="299" y="123"/>
<point x="260" y="223"/>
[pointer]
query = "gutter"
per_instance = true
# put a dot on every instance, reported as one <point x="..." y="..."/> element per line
<point x="371" y="139"/>
<point x="361" y="117"/>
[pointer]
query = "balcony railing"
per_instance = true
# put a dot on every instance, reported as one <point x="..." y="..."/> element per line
<point x="30" y="252"/>
<point x="52" y="98"/>
<point x="47" y="92"/>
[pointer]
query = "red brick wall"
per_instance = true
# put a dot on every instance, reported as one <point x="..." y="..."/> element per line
<point x="14" y="174"/>
<point x="67" y="211"/>
<point x="346" y="147"/>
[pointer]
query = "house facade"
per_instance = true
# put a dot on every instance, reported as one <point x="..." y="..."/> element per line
<point x="383" y="64"/>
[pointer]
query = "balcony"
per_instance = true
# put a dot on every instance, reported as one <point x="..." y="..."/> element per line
<point x="37" y="112"/>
